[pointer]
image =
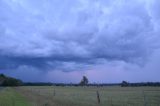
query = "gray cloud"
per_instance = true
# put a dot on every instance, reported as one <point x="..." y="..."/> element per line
<point x="76" y="34"/>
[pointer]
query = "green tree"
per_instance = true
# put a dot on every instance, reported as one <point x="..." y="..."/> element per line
<point x="2" y="76"/>
<point x="9" y="81"/>
<point x="124" y="84"/>
<point x="84" y="81"/>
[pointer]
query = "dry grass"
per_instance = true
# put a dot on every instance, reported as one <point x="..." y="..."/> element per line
<point x="86" y="96"/>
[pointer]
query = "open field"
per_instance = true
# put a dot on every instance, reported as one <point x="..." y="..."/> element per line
<point x="9" y="97"/>
<point x="86" y="96"/>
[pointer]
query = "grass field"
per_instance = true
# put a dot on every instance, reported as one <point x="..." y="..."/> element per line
<point x="86" y="96"/>
<point x="9" y="97"/>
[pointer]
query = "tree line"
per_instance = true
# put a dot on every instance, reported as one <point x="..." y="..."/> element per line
<point x="127" y="84"/>
<point x="9" y="81"/>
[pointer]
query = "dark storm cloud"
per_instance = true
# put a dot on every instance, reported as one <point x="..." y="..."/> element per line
<point x="54" y="35"/>
<point x="42" y="63"/>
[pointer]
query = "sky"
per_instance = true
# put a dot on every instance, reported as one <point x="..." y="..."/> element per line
<point x="60" y="41"/>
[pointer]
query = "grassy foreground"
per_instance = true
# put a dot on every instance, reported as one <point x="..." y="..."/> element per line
<point x="86" y="96"/>
<point x="9" y="97"/>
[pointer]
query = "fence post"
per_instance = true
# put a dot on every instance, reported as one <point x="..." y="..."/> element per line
<point x="98" y="97"/>
<point x="144" y="98"/>
<point x="46" y="104"/>
<point x="13" y="102"/>
<point x="54" y="93"/>
<point x="111" y="102"/>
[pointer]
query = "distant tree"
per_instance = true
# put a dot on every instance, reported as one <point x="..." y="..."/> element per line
<point x="124" y="84"/>
<point x="84" y="81"/>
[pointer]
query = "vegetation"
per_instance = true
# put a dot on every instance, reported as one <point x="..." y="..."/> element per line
<point x="61" y="94"/>
<point x="9" y="81"/>
<point x="127" y="84"/>
<point x="86" y="96"/>
<point x="9" y="97"/>
<point x="124" y="83"/>
<point x="84" y="81"/>
<point x="37" y="84"/>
